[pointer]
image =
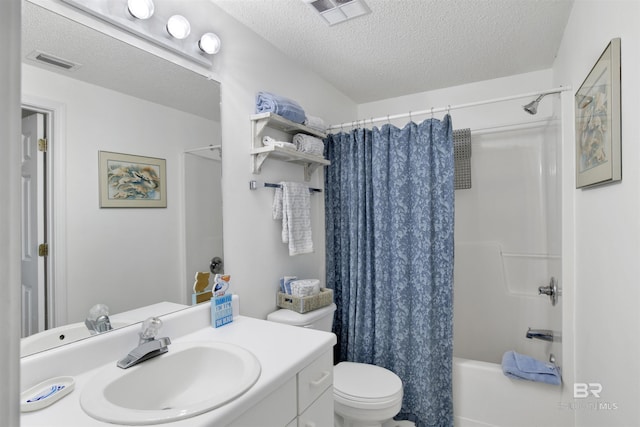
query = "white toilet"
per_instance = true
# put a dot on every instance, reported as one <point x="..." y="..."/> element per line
<point x="364" y="395"/>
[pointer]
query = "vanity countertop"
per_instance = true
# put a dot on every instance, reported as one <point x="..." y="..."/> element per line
<point x="281" y="349"/>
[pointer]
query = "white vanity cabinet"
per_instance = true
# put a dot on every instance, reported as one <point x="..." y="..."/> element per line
<point x="295" y="387"/>
<point x="276" y="410"/>
<point x="315" y="383"/>
<point x="320" y="414"/>
<point x="305" y="400"/>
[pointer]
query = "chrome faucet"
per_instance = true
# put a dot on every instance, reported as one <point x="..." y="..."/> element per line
<point x="98" y="320"/>
<point x="148" y="347"/>
<point x="540" y="334"/>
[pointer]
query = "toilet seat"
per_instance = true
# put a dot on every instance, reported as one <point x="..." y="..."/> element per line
<point x="364" y="386"/>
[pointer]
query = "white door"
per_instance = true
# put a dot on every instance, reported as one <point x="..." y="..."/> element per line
<point x="33" y="226"/>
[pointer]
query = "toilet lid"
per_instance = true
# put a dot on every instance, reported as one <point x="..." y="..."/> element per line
<point x="364" y="382"/>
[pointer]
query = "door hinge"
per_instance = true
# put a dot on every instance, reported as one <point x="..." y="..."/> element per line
<point x="43" y="249"/>
<point x="42" y="144"/>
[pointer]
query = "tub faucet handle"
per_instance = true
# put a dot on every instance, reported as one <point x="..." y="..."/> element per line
<point x="551" y="290"/>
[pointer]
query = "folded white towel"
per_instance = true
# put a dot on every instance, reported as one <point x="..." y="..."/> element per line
<point x="309" y="144"/>
<point x="292" y="204"/>
<point x="285" y="284"/>
<point x="305" y="288"/>
<point x="316" y="123"/>
<point x="268" y="141"/>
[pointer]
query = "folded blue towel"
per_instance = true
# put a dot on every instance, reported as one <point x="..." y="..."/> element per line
<point x="515" y="365"/>
<point x="287" y="108"/>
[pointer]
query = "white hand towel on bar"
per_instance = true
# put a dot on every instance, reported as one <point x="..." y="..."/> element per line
<point x="292" y="203"/>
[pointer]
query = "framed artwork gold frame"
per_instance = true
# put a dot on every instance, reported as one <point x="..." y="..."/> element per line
<point x="130" y="181"/>
<point x="598" y="122"/>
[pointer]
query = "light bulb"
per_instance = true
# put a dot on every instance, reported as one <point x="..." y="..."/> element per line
<point x="141" y="9"/>
<point x="178" y="27"/>
<point x="209" y="43"/>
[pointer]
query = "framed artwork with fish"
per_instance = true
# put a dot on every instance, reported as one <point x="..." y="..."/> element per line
<point x="129" y="181"/>
<point x="598" y="122"/>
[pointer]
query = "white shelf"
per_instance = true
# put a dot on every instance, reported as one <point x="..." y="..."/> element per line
<point x="278" y="122"/>
<point x="260" y="153"/>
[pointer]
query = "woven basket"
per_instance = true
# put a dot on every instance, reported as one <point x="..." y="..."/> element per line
<point x="306" y="304"/>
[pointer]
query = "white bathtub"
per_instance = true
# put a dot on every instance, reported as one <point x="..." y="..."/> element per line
<point x="483" y="396"/>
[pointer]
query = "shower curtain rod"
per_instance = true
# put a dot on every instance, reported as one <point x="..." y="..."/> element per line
<point x="208" y="147"/>
<point x="448" y="108"/>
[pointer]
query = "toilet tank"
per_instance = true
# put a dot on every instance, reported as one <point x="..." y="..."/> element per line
<point x="321" y="319"/>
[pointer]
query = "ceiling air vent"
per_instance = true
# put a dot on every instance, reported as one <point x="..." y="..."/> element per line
<point x="336" y="11"/>
<point x="45" y="58"/>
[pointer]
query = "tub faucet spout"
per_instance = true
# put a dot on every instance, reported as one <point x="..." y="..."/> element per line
<point x="540" y="334"/>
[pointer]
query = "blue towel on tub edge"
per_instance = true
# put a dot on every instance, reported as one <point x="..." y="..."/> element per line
<point x="515" y="365"/>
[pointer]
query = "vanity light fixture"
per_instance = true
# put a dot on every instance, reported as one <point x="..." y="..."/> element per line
<point x="149" y="21"/>
<point x="178" y="26"/>
<point x="209" y="43"/>
<point x="141" y="9"/>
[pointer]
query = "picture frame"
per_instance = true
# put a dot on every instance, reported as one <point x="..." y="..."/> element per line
<point x="598" y="122"/>
<point x="131" y="181"/>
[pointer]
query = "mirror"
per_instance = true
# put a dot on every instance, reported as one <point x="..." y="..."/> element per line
<point x="125" y="100"/>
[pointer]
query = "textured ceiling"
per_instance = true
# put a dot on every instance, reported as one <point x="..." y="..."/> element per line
<point x="115" y="65"/>
<point x="409" y="46"/>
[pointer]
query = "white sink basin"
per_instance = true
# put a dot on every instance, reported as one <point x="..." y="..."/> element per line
<point x="58" y="336"/>
<point x="192" y="378"/>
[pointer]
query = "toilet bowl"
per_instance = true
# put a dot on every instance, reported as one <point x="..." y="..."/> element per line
<point x="363" y="395"/>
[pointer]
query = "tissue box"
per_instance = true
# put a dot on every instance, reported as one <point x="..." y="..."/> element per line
<point x="306" y="304"/>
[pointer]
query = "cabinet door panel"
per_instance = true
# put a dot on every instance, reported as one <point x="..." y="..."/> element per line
<point x="276" y="410"/>
<point x="320" y="413"/>
<point x="314" y="380"/>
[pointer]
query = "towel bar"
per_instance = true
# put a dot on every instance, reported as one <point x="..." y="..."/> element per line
<point x="253" y="185"/>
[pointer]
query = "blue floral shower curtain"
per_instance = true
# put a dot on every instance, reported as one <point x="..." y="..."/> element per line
<point x="389" y="219"/>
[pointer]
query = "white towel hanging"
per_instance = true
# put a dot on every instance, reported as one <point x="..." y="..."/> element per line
<point x="292" y="204"/>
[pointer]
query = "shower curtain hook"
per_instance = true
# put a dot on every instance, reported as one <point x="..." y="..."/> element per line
<point x="449" y="109"/>
<point x="432" y="112"/>
<point x="410" y="117"/>
<point x="388" y="120"/>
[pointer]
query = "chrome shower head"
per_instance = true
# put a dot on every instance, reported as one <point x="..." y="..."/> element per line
<point x="532" y="107"/>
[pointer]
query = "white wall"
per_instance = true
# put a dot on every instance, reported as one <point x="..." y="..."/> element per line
<point x="254" y="254"/>
<point x="491" y="114"/>
<point x="203" y="215"/>
<point x="10" y="211"/>
<point x="601" y="230"/>
<point x="125" y="258"/>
